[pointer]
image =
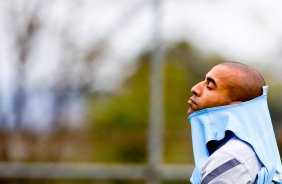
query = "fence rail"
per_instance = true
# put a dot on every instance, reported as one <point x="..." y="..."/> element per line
<point x="93" y="171"/>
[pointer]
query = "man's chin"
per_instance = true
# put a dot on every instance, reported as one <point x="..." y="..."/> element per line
<point x="190" y="111"/>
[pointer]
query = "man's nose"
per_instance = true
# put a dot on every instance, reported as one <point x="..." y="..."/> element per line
<point x="196" y="90"/>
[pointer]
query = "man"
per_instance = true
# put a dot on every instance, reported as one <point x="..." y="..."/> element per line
<point x="228" y="114"/>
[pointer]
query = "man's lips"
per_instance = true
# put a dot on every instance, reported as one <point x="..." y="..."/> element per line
<point x="192" y="105"/>
<point x="191" y="102"/>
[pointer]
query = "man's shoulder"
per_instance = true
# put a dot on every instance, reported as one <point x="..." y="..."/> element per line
<point x="235" y="148"/>
<point x="233" y="159"/>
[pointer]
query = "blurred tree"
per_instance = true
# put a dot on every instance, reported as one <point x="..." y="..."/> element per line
<point x="49" y="74"/>
<point x="125" y="113"/>
<point x="119" y="120"/>
<point x="45" y="59"/>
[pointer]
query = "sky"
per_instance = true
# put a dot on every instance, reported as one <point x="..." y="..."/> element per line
<point x="248" y="31"/>
<point x="243" y="30"/>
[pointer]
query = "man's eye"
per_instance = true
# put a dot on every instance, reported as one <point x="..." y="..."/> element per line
<point x="210" y="86"/>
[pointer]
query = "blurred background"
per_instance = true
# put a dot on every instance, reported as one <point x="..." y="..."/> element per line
<point x="95" y="91"/>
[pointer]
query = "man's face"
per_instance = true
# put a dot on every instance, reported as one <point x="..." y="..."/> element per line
<point x="213" y="90"/>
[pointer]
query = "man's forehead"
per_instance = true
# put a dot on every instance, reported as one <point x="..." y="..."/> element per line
<point x="222" y="73"/>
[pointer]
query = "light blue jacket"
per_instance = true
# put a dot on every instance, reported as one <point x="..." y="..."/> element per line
<point x="250" y="121"/>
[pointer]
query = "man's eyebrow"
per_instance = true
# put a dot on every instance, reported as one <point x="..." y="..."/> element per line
<point x="209" y="79"/>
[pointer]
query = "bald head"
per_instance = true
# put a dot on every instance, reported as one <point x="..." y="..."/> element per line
<point x="247" y="83"/>
<point x="225" y="84"/>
